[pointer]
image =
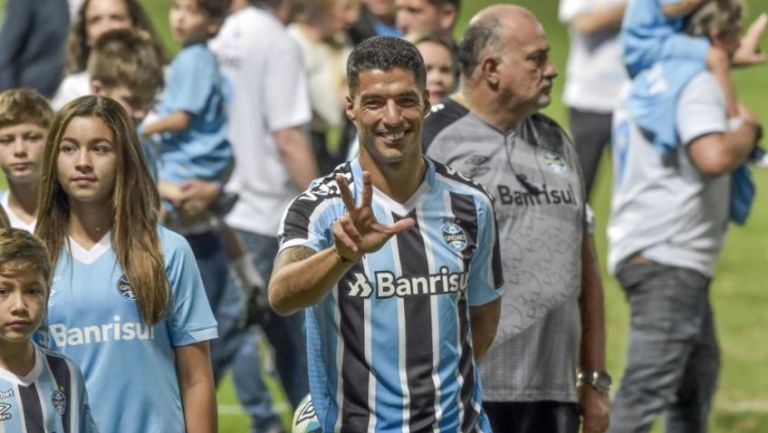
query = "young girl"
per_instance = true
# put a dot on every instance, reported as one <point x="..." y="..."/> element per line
<point x="441" y="60"/>
<point x="127" y="303"/>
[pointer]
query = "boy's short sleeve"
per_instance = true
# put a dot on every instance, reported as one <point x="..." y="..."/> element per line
<point x="190" y="319"/>
<point x="193" y="77"/>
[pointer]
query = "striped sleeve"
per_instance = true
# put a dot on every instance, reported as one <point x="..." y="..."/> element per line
<point x="485" y="276"/>
<point x="309" y="218"/>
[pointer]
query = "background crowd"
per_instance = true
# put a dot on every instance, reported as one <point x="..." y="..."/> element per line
<point x="280" y="71"/>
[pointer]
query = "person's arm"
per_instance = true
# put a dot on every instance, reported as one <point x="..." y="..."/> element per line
<point x="302" y="277"/>
<point x="593" y="403"/>
<point x="484" y="320"/>
<point x="297" y="155"/>
<point x="176" y="121"/>
<point x="198" y="393"/>
<point x="749" y="52"/>
<point x="599" y="19"/>
<point x="718" y="153"/>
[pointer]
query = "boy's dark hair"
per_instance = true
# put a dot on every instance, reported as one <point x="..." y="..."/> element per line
<point x="439" y="3"/>
<point x="216" y="9"/>
<point x="127" y="57"/>
<point x="384" y="53"/>
<point x="24" y="106"/>
<point x="20" y="251"/>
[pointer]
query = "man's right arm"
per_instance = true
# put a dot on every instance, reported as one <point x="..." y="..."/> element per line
<point x="720" y="153"/>
<point x="287" y="96"/>
<point x="302" y="277"/>
<point x="297" y="155"/>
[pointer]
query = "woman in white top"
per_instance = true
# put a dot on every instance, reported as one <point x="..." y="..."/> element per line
<point x="95" y="18"/>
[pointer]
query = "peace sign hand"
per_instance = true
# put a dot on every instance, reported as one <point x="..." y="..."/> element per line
<point x="358" y="232"/>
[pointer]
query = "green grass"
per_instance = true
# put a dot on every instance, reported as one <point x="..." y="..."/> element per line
<point x="739" y="292"/>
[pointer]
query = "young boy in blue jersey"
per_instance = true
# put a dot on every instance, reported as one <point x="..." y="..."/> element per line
<point x="40" y="391"/>
<point x="125" y="65"/>
<point x="24" y="119"/>
<point x="193" y="121"/>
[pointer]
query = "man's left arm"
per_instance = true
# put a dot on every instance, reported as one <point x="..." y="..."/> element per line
<point x="485" y="280"/>
<point x="592" y="402"/>
<point x="484" y="319"/>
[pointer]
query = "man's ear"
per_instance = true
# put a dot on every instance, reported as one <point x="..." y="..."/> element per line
<point x="350" y="108"/>
<point x="448" y="15"/>
<point x="97" y="87"/>
<point x="489" y="70"/>
<point x="427" y="104"/>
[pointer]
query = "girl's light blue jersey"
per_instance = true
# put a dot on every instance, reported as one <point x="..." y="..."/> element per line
<point x="51" y="398"/>
<point x="129" y="366"/>
<point x="390" y="347"/>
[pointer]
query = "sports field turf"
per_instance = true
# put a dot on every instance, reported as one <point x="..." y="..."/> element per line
<point x="740" y="290"/>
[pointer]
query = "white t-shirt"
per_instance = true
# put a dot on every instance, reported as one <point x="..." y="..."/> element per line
<point x="326" y="71"/>
<point x="265" y="72"/>
<point x="665" y="207"/>
<point x="73" y="86"/>
<point x="595" y="71"/>
<point x="16" y="222"/>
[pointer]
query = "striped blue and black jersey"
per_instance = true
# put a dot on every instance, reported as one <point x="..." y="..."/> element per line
<point x="51" y="398"/>
<point x="390" y="347"/>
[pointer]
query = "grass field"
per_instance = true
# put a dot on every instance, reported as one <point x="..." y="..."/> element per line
<point x="740" y="291"/>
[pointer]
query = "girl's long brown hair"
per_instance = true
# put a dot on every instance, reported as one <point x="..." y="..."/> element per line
<point x="134" y="205"/>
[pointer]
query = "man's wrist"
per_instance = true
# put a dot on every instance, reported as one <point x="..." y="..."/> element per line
<point x="737" y="122"/>
<point x="342" y="258"/>
<point x="597" y="379"/>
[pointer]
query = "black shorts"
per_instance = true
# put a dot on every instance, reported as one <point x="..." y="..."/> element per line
<point x="533" y="417"/>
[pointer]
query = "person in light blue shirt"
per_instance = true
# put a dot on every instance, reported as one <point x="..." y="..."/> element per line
<point x="40" y="391"/>
<point x="127" y="302"/>
<point x="652" y="31"/>
<point x="193" y="121"/>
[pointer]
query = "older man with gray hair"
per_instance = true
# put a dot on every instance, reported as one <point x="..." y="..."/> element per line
<point x="552" y="307"/>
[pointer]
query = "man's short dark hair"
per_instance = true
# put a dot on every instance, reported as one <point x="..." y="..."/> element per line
<point x="385" y="54"/>
<point x="439" y="3"/>
<point x="479" y="35"/>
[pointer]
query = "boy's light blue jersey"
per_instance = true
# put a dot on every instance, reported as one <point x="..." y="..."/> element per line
<point x="390" y="347"/>
<point x="129" y="366"/>
<point x="195" y="85"/>
<point x="51" y="398"/>
<point x="649" y="36"/>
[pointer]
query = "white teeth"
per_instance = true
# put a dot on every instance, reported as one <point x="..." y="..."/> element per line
<point x="394" y="135"/>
